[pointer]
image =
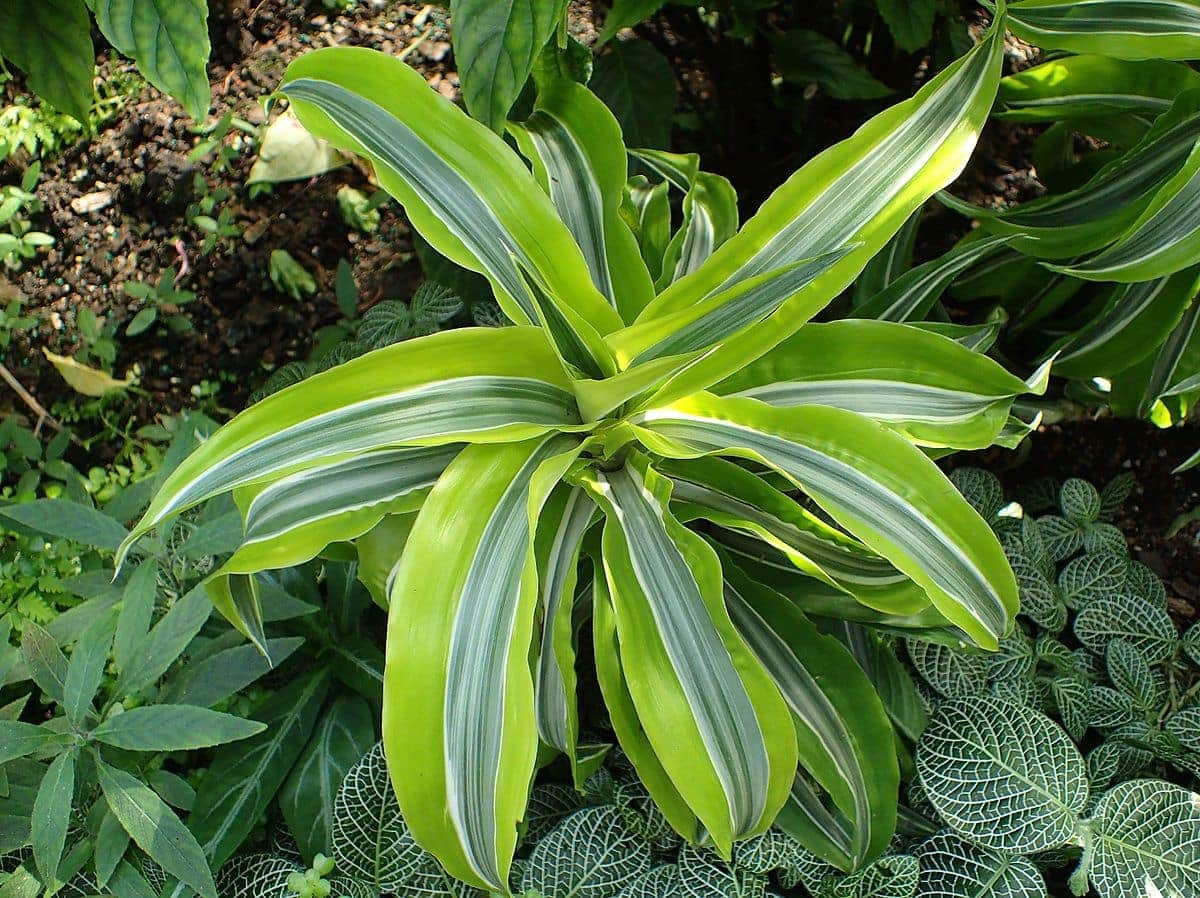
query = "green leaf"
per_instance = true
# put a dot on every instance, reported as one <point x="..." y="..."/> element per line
<point x="137" y="611"/>
<point x="45" y="660"/>
<point x="168" y="39"/>
<point x="808" y="57"/>
<point x="1091" y="86"/>
<point x="636" y="82"/>
<point x="111" y="843"/>
<point x="464" y="746"/>
<point x="708" y="707"/>
<point x="873" y="482"/>
<point x="472" y="383"/>
<point x="370" y="840"/>
<point x="565" y="519"/>
<point x="243" y="778"/>
<point x="925" y="386"/>
<point x="345" y="732"/>
<point x="627" y="13"/>
<point x="1126" y="29"/>
<point x="173" y="728"/>
<point x="841" y="725"/>
<point x="856" y="193"/>
<point x="85" y="671"/>
<point x="1185" y="726"/>
<point x="1093" y="576"/>
<point x="463" y="189"/>
<point x="52" y="43"/>
<point x="286" y="152"/>
<point x="574" y="145"/>
<point x="909" y="21"/>
<point x="155" y="828"/>
<point x="953" y="868"/>
<point x="52" y="815"/>
<point x="1145" y="839"/>
<point x="894" y="876"/>
<point x="591" y="853"/>
<point x="69" y="520"/>
<point x="953" y="673"/>
<point x="204" y="683"/>
<point x="18" y="739"/>
<point x="1145" y="627"/>
<point x="495" y="47"/>
<point x="166" y="642"/>
<point x="1002" y="776"/>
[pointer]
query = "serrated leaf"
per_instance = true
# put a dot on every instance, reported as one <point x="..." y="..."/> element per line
<point x="1080" y="501"/>
<point x="369" y="837"/>
<point x="1092" y="576"/>
<point x="591" y="854"/>
<point x="1148" y="629"/>
<point x="953" y="673"/>
<point x="952" y="868"/>
<point x="1146" y="840"/>
<point x="434" y="303"/>
<point x="1002" y="776"/>
<point x="51" y="42"/>
<point x="385" y="323"/>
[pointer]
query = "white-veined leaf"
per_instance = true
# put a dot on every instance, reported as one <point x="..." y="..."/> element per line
<point x="591" y="854"/>
<point x="1145" y="839"/>
<point x="1127" y="29"/>
<point x="1003" y="776"/>
<point x="1147" y="628"/>
<point x="952" y="868"/>
<point x="951" y="672"/>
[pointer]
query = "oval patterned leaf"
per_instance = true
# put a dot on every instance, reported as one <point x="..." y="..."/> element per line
<point x="952" y="868"/>
<point x="369" y="838"/>
<point x="1147" y="628"/>
<point x="1003" y="776"/>
<point x="591" y="854"/>
<point x="1146" y="840"/>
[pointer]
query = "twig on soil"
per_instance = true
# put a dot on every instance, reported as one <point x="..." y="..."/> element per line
<point x="43" y="416"/>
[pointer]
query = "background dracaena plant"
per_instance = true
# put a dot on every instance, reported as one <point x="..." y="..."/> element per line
<point x="588" y="435"/>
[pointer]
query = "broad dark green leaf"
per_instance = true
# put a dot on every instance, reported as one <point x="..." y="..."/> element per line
<point x="496" y="43"/>
<point x="807" y="57"/>
<point x="169" y="41"/>
<point x="85" y="671"/>
<point x="69" y="520"/>
<point x="52" y="815"/>
<point x="137" y="610"/>
<point x="635" y="81"/>
<point x="909" y="21"/>
<point x="204" y="683"/>
<point x="51" y="41"/>
<point x="167" y="641"/>
<point x="243" y="778"/>
<point x="46" y="663"/>
<point x="18" y="739"/>
<point x="345" y="732"/>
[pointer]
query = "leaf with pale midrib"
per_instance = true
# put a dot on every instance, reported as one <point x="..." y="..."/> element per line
<point x="952" y="868"/>
<point x="591" y="854"/>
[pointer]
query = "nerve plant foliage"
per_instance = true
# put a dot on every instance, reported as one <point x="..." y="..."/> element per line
<point x="500" y="482"/>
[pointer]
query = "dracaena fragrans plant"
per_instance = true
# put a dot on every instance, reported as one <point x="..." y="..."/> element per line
<point x="487" y="474"/>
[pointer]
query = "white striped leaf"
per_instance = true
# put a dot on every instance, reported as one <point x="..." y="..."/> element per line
<point x="1164" y="238"/>
<point x="913" y="294"/>
<point x="925" y="386"/>
<point x="710" y="213"/>
<point x="289" y="520"/>
<point x="574" y="145"/>
<point x="475" y="384"/>
<point x="1145" y="839"/>
<point x="728" y="495"/>
<point x="856" y="193"/>
<point x="379" y="551"/>
<point x="711" y="712"/>
<point x="623" y="713"/>
<point x="459" y="722"/>
<point x="647" y="207"/>
<point x="1172" y="353"/>
<point x="717" y="317"/>
<point x="1091" y="86"/>
<point x="873" y="482"/>
<point x="1126" y="29"/>
<point x="843" y="731"/>
<point x="1091" y="216"/>
<point x="464" y="190"/>
<point x="560" y="531"/>
<point x="1002" y="776"/>
<point x="1135" y="320"/>
<point x="889" y="263"/>
<point x="952" y="868"/>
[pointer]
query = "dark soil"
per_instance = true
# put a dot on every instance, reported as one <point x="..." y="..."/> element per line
<point x="243" y="328"/>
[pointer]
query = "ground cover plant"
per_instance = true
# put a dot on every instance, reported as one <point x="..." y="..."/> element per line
<point x="676" y="595"/>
